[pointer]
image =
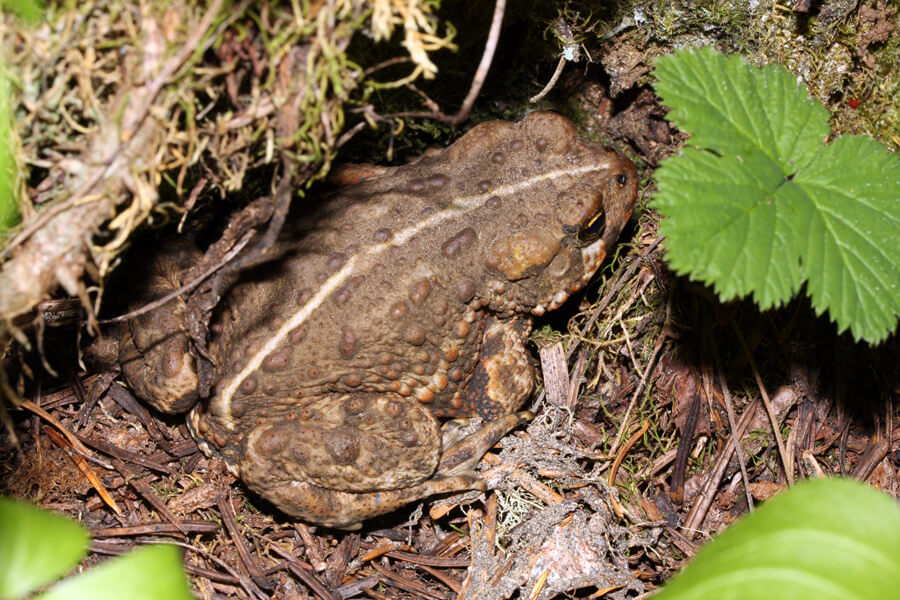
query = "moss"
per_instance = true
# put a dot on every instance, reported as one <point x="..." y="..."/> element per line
<point x="845" y="52"/>
<point x="833" y="53"/>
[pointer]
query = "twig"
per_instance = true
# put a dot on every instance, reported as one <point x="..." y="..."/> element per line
<point x="227" y="513"/>
<point x="71" y="437"/>
<point x="788" y="469"/>
<point x="704" y="499"/>
<point x="349" y="134"/>
<point x="481" y="73"/>
<point x="40" y="221"/>
<point x="651" y="364"/>
<point x="283" y="194"/>
<point x="873" y="455"/>
<point x="478" y="79"/>
<point x="157" y="528"/>
<point x="617" y="507"/>
<point x="443" y="578"/>
<point x="396" y="580"/>
<point x="570" y="52"/>
<point x="559" y="69"/>
<point x="127" y="455"/>
<point x="304" y="575"/>
<point x="679" y="467"/>
<point x="614" y="470"/>
<point x="186" y="287"/>
<point x="431" y="560"/>
<point x="399" y="60"/>
<point x="732" y="423"/>
<point x="245" y="582"/>
<point x="81" y="464"/>
<point x="147" y="493"/>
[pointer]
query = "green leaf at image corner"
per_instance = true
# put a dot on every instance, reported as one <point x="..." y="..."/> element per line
<point x="825" y="539"/>
<point x="36" y="547"/>
<point x="31" y="11"/>
<point x="149" y="573"/>
<point x="9" y="209"/>
<point x="729" y="106"/>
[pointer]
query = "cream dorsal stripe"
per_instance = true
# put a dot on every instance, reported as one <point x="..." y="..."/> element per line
<point x="462" y="205"/>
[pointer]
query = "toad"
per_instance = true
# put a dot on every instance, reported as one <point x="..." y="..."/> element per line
<point x="401" y="301"/>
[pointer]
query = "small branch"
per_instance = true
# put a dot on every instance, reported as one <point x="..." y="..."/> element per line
<point x="399" y="60"/>
<point x="478" y="79"/>
<point x="559" y="69"/>
<point x="782" y="452"/>
<point x="651" y="364"/>
<point x="732" y="423"/>
<point x="186" y="287"/>
<point x="704" y="499"/>
<point x="486" y="59"/>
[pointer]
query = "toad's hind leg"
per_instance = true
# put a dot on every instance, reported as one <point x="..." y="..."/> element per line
<point x="342" y="459"/>
<point x="339" y="459"/>
<point x="347" y="510"/>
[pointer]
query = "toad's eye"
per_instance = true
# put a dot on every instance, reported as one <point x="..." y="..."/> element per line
<point x="621" y="179"/>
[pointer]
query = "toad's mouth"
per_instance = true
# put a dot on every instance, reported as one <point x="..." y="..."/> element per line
<point x="597" y="237"/>
<point x="592" y="257"/>
<point x="592" y="230"/>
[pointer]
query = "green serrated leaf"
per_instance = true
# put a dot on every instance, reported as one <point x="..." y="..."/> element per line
<point x="150" y="573"/>
<point x="756" y="205"/>
<point x="851" y="210"/>
<point x="741" y="244"/>
<point x="36" y="547"/>
<point x="729" y="106"/>
<point x="824" y="539"/>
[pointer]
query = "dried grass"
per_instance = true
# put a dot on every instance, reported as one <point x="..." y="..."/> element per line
<point x="117" y="101"/>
